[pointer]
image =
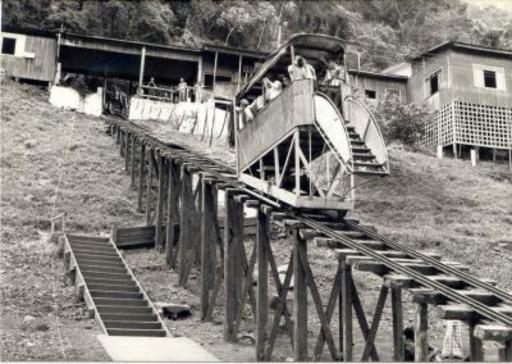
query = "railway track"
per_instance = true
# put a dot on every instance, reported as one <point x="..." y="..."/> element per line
<point x="443" y="283"/>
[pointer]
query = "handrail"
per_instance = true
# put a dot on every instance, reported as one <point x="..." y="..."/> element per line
<point x="368" y="129"/>
<point x="347" y="163"/>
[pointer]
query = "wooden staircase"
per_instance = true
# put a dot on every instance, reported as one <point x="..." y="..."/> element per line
<point x="112" y="293"/>
<point x="364" y="161"/>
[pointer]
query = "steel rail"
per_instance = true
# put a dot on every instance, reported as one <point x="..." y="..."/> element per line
<point x="446" y="291"/>
<point x="450" y="293"/>
<point x="439" y="265"/>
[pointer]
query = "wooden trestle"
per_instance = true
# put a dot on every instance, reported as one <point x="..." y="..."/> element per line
<point x="179" y="192"/>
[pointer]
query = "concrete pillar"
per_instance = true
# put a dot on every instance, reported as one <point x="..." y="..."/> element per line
<point x="440" y="151"/>
<point x="475" y="156"/>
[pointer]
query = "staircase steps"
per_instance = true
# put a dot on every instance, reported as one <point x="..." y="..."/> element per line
<point x="364" y="161"/>
<point x="110" y="289"/>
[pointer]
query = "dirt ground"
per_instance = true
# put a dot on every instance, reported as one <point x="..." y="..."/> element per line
<point x="55" y="161"/>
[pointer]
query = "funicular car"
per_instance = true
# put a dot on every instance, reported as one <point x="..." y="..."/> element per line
<point x="301" y="146"/>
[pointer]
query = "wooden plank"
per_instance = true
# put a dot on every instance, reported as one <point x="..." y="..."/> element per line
<point x="300" y="299"/>
<point x="262" y="239"/>
<point x="149" y="186"/>
<point x="346" y="310"/>
<point x="232" y="267"/>
<point x="142" y="162"/>
<point x="398" y="324"/>
<point x="160" y="203"/>
<point x="173" y="194"/>
<point x="208" y="243"/>
<point x="421" y="333"/>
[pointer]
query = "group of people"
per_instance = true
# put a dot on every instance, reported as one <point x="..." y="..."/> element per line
<point x="182" y="89"/>
<point x="300" y="69"/>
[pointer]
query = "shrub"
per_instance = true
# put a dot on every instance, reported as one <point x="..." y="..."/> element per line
<point x="399" y="122"/>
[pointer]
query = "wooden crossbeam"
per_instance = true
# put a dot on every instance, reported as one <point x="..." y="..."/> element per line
<point x="379" y="308"/>
<point x="281" y="309"/>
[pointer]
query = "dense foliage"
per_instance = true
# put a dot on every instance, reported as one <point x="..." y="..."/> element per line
<point x="403" y="123"/>
<point x="383" y="31"/>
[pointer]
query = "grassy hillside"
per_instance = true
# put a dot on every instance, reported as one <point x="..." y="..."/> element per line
<point x="446" y="206"/>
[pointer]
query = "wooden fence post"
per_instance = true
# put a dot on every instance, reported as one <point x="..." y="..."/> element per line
<point x="300" y="299"/>
<point x="208" y="244"/>
<point x="142" y="163"/>
<point x="149" y="187"/>
<point x="262" y="239"/>
<point x="173" y="195"/>
<point x="233" y="270"/>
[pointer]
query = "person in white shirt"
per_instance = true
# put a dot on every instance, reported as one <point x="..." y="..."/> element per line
<point x="300" y="69"/>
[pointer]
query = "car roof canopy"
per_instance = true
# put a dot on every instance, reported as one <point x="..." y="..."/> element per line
<point x="317" y="49"/>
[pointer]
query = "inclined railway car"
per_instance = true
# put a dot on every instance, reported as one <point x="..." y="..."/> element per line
<point x="303" y="147"/>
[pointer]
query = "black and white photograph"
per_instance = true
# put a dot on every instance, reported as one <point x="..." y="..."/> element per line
<point x="256" y="181"/>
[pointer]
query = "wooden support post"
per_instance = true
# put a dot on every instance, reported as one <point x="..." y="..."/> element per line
<point x="208" y="244"/>
<point x="121" y="144"/>
<point x="398" y="324"/>
<point x="118" y="135"/>
<point x="149" y="186"/>
<point x="173" y="194"/>
<point x="160" y="203"/>
<point x="141" y="68"/>
<point x="346" y="310"/>
<point x="262" y="239"/>
<point x="300" y="299"/>
<point x="421" y="333"/>
<point x="132" y="168"/>
<point x="185" y="244"/>
<point x="505" y="353"/>
<point x="127" y="152"/>
<point x="233" y="269"/>
<point x="215" y="61"/>
<point x="476" y="350"/>
<point x="142" y="169"/>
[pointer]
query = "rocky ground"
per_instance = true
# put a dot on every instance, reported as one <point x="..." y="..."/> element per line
<point x="57" y="161"/>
